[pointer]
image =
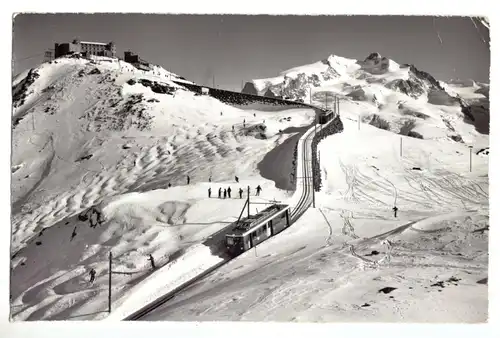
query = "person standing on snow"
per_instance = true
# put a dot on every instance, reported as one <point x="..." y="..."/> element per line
<point x="241" y="193"/>
<point x="152" y="260"/>
<point x="225" y="193"/>
<point x="220" y="192"/>
<point x="258" y="190"/>
<point x="188" y="179"/>
<point x="92" y="276"/>
<point x="229" y="192"/>
<point x="236" y="178"/>
<point x="395" y="209"/>
<point x="209" y="192"/>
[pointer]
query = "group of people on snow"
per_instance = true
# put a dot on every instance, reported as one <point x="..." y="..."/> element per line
<point x="226" y="193"/>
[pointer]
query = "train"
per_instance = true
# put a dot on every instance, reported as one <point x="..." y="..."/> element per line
<point x="250" y="231"/>
<point x="325" y="116"/>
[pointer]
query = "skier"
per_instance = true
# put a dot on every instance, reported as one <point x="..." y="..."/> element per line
<point x="229" y="192"/>
<point x="209" y="192"/>
<point x="253" y="114"/>
<point x="188" y="179"/>
<point x="92" y="276"/>
<point x="220" y="113"/>
<point x="243" y="123"/>
<point x="169" y="184"/>
<point x="241" y="193"/>
<point x="395" y="209"/>
<point x="225" y="193"/>
<point x="258" y="190"/>
<point x="152" y="260"/>
<point x="236" y="179"/>
<point x="220" y="192"/>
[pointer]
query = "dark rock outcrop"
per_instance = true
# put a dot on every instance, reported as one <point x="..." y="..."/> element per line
<point x="249" y="88"/>
<point x="269" y="93"/>
<point x="20" y="91"/>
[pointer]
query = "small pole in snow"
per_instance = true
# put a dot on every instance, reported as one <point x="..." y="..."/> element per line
<point x="248" y="201"/>
<point x="315" y="123"/>
<point x="313" y="186"/>
<point x="109" y="282"/>
<point x="470" y="158"/>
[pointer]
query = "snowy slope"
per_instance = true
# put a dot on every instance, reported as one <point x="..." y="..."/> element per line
<point x="101" y="135"/>
<point x="351" y="259"/>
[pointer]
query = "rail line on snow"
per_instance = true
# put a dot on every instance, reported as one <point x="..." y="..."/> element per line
<point x="301" y="207"/>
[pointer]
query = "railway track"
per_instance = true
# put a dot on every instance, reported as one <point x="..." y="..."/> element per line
<point x="302" y="205"/>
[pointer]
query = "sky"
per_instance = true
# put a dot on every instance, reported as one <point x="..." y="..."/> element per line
<point x="233" y="49"/>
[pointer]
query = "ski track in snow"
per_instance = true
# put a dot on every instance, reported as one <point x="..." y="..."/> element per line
<point x="297" y="277"/>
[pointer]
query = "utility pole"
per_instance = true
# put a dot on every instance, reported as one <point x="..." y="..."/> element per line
<point x="314" y="191"/>
<point x="109" y="282"/>
<point x="470" y="158"/>
<point x="248" y="201"/>
<point x="315" y="124"/>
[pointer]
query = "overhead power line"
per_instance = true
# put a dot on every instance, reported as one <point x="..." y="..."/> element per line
<point x="28" y="57"/>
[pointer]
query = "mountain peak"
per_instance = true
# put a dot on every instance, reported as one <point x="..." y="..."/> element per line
<point x="373" y="57"/>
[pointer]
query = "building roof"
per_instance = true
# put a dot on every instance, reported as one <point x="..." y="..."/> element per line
<point x="247" y="224"/>
<point x="94" y="43"/>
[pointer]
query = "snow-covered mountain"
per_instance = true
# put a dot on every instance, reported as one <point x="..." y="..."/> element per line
<point x="95" y="146"/>
<point x="395" y="92"/>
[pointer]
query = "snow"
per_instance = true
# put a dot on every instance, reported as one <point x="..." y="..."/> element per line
<point x="99" y="141"/>
<point x="126" y="180"/>
<point x="195" y="261"/>
<point x="331" y="265"/>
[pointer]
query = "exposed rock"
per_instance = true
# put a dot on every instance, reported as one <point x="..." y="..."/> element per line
<point x="95" y="71"/>
<point x="249" y="88"/>
<point x="483" y="281"/>
<point x="387" y="289"/>
<point x="269" y="93"/>
<point x="21" y="90"/>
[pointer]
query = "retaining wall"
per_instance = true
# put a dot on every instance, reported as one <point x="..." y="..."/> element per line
<point x="335" y="126"/>
<point x="234" y="98"/>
